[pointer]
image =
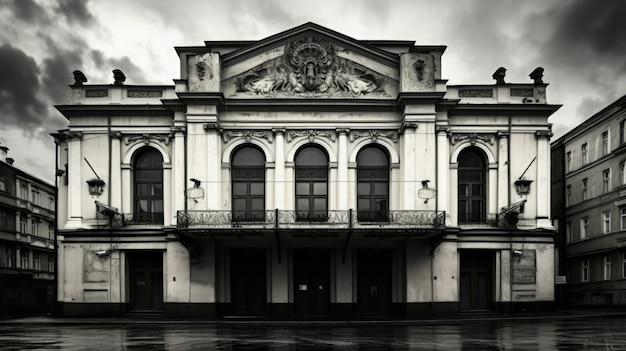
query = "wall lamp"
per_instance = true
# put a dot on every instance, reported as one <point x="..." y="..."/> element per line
<point x="96" y="186"/>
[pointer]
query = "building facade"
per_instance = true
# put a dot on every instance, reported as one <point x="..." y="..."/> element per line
<point x="588" y="190"/>
<point x="27" y="208"/>
<point x="306" y="175"/>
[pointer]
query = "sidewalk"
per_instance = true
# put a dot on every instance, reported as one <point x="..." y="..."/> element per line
<point x="556" y="315"/>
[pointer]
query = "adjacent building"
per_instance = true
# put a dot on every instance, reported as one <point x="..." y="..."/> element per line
<point x="27" y="214"/>
<point x="306" y="175"/>
<point x="589" y="203"/>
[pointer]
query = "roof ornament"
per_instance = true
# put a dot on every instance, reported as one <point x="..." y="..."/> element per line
<point x="119" y="77"/>
<point x="79" y="78"/>
<point x="499" y="75"/>
<point x="537" y="75"/>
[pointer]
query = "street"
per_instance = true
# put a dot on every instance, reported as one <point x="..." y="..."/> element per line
<point x="599" y="333"/>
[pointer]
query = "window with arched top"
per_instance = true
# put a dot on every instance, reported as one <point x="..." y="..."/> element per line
<point x="472" y="179"/>
<point x="248" y="184"/>
<point x="372" y="185"/>
<point x="148" y="186"/>
<point x="311" y="184"/>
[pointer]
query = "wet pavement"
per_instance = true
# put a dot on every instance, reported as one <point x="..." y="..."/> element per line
<point x="588" y="331"/>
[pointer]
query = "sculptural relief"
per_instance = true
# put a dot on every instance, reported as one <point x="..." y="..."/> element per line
<point x="202" y="72"/>
<point x="310" y="68"/>
<point x="417" y="72"/>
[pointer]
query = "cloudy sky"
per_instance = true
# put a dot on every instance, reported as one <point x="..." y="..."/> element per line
<point x="580" y="43"/>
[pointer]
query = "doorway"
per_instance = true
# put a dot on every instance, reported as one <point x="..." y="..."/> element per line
<point x="476" y="280"/>
<point x="311" y="271"/>
<point x="248" y="295"/>
<point x="373" y="281"/>
<point x="146" y="281"/>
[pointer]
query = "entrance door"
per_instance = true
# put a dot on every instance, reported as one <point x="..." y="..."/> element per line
<point x="311" y="271"/>
<point x="373" y="281"/>
<point x="476" y="280"/>
<point x="146" y="281"/>
<point x="248" y="294"/>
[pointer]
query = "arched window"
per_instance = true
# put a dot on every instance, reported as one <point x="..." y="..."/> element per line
<point x="372" y="185"/>
<point x="311" y="184"/>
<point x="148" y="186"/>
<point x="472" y="183"/>
<point x="248" y="185"/>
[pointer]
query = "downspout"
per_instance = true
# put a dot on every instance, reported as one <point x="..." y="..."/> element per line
<point x="110" y="147"/>
<point x="508" y="192"/>
<point x="56" y="307"/>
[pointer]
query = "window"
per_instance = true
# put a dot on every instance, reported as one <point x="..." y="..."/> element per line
<point x="605" y="143"/>
<point x="50" y="263"/>
<point x="35" y="197"/>
<point x="311" y="184"/>
<point x="471" y="186"/>
<point x="3" y="185"/>
<point x="568" y="195"/>
<point x="6" y="256"/>
<point x="248" y="185"/>
<point x="5" y="222"/>
<point x="569" y="161"/>
<point x="606" y="222"/>
<point x="622" y="131"/>
<point x="606" y="180"/>
<point x="623" y="264"/>
<point x="34" y="225"/>
<point x="585" y="193"/>
<point x="24" y="259"/>
<point x="50" y="231"/>
<point x="36" y="261"/>
<point x="24" y="192"/>
<point x="584" y="149"/>
<point x="23" y="221"/>
<point x="623" y="218"/>
<point x="51" y="203"/>
<point x="622" y="173"/>
<point x="584" y="225"/>
<point x="607" y="268"/>
<point x="372" y="185"/>
<point x="568" y="232"/>
<point x="584" y="271"/>
<point x="148" y="186"/>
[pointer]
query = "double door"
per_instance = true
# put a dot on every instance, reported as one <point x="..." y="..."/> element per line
<point x="311" y="271"/>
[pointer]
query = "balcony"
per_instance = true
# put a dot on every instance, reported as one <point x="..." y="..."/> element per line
<point x="291" y="219"/>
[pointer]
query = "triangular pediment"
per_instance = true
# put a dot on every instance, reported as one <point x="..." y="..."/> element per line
<point x="309" y="60"/>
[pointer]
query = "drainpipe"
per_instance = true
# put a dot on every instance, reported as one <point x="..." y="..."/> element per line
<point x="56" y="307"/>
<point x="110" y="146"/>
<point x="508" y="192"/>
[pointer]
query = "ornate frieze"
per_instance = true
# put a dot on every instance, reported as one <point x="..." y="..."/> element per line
<point x="91" y="93"/>
<point x="311" y="135"/>
<point x="473" y="138"/>
<point x="311" y="67"/>
<point x="135" y="93"/>
<point x="374" y="135"/>
<point x="521" y="92"/>
<point x="228" y="135"/>
<point x="147" y="138"/>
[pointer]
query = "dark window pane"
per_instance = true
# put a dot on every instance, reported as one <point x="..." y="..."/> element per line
<point x="248" y="156"/>
<point x="142" y="206"/>
<point x="303" y="188"/>
<point x="477" y="189"/>
<point x="157" y="190"/>
<point x="302" y="204"/>
<point x="239" y="204"/>
<point x="364" y="205"/>
<point x="380" y="204"/>
<point x="141" y="189"/>
<point x="257" y="189"/>
<point x="319" y="204"/>
<point x="380" y="188"/>
<point x="319" y="188"/>
<point x="240" y="188"/>
<point x="157" y="206"/>
<point x="311" y="156"/>
<point x="363" y="189"/>
<point x="257" y="204"/>
<point x="148" y="175"/>
<point x="372" y="156"/>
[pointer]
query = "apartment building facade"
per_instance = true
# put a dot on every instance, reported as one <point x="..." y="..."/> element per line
<point x="305" y="175"/>
<point x="27" y="225"/>
<point x="588" y="191"/>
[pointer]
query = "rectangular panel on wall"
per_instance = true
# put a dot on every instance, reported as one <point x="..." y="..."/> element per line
<point x="524" y="267"/>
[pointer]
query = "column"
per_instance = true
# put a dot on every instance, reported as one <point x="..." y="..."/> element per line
<point x="443" y="170"/>
<point x="279" y="169"/>
<point x="75" y="183"/>
<point x="503" y="170"/>
<point x="116" y="175"/>
<point x="542" y="191"/>
<point x="342" y="171"/>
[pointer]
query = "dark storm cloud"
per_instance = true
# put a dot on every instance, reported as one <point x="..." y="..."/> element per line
<point x="19" y="88"/>
<point x="27" y="10"/>
<point x="57" y="74"/>
<point x="134" y="74"/>
<point x="75" y="11"/>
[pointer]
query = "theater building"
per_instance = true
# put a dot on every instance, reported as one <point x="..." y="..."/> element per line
<point x="305" y="175"/>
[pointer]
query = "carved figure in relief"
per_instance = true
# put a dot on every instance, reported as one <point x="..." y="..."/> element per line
<point x="309" y="67"/>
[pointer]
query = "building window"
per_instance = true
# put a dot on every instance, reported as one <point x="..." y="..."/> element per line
<point x="623" y="218"/>
<point x="372" y="185"/>
<point x="6" y="257"/>
<point x="623" y="264"/>
<point x="568" y="195"/>
<point x="148" y="186"/>
<point x="23" y="221"/>
<point x="4" y="220"/>
<point x="3" y="185"/>
<point x="584" y="188"/>
<point x="622" y="131"/>
<point x="50" y="263"/>
<point x="584" y="271"/>
<point x="584" y="225"/>
<point x="607" y="267"/>
<point x="36" y="261"/>
<point x="24" y="259"/>
<point x="569" y="161"/>
<point x="622" y="173"/>
<point x="606" y="222"/>
<point x="35" y="197"/>
<point x="51" y="203"/>
<point x="311" y="184"/>
<point x="472" y="175"/>
<point x="584" y="151"/>
<point x="605" y="143"/>
<point x="606" y="180"/>
<point x="568" y="232"/>
<point x="24" y="192"/>
<point x="248" y="185"/>
<point x="34" y="225"/>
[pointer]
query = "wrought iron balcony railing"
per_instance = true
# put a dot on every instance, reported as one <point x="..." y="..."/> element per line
<point x="292" y="219"/>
